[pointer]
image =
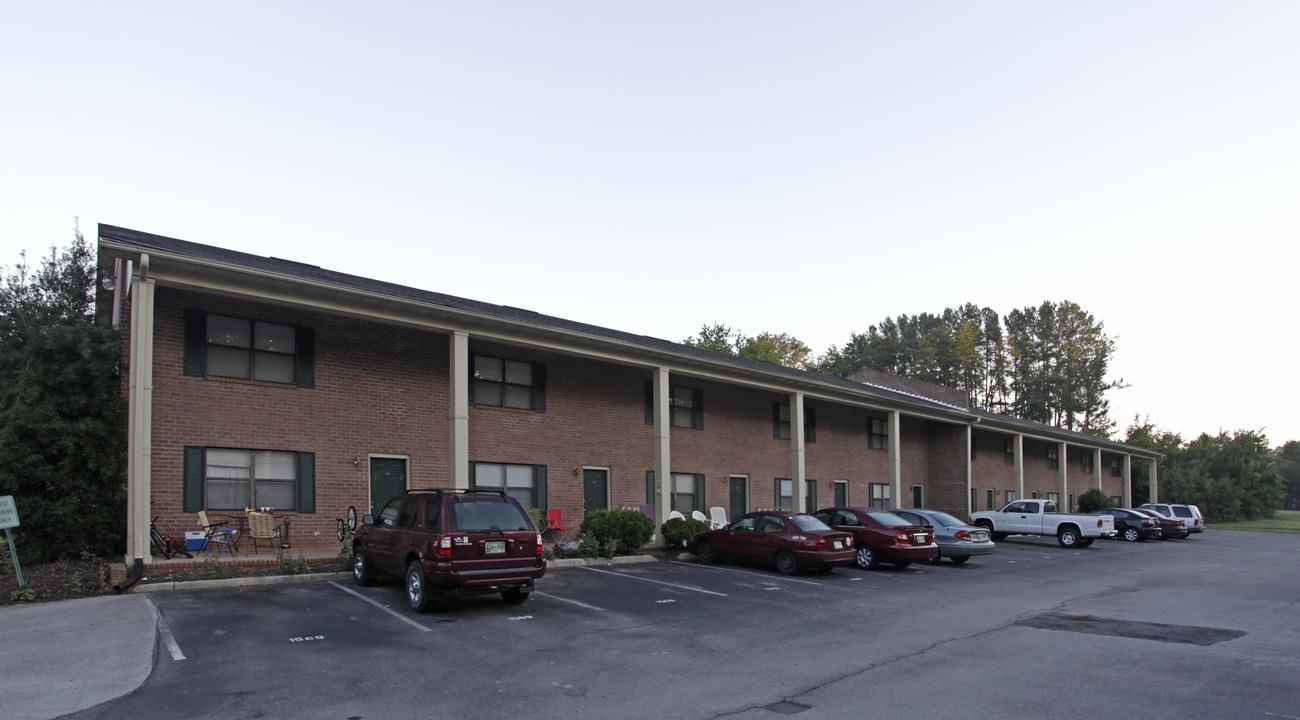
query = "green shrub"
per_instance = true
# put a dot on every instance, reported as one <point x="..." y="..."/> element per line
<point x="617" y="532"/>
<point x="539" y="519"/>
<point x="1094" y="499"/>
<point x="678" y="530"/>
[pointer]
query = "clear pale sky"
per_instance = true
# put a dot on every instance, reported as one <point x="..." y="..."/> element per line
<point x="808" y="168"/>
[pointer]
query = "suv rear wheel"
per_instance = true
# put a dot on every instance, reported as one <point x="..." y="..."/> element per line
<point x="418" y="593"/>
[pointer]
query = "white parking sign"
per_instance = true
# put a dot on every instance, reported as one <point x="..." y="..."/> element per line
<point x="8" y="513"/>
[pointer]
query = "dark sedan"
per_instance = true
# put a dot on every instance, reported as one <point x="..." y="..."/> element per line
<point x="1170" y="528"/>
<point x="1131" y="524"/>
<point x="881" y="536"/>
<point x="957" y="539"/>
<point x="788" y="541"/>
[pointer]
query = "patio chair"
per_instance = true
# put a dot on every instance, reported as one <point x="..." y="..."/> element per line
<point x="555" y="521"/>
<point x="676" y="515"/>
<point x="218" y="535"/>
<point x="717" y="517"/>
<point x="697" y="515"/>
<point x="262" y="529"/>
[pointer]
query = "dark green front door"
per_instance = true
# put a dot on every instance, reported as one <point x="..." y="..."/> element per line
<point x="841" y="494"/>
<point x="739" y="497"/>
<point x="595" y="491"/>
<point x="387" y="478"/>
<point x="918" y="496"/>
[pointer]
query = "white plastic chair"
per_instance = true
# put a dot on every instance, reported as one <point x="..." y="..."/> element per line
<point x="675" y="515"/>
<point x="697" y="515"/>
<point x="718" y="517"/>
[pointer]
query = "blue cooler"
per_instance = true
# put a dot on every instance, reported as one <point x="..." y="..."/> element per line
<point x="195" y="540"/>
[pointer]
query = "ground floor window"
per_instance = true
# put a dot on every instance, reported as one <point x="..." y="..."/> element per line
<point x="784" y="494"/>
<point x="684" y="493"/>
<point x="1054" y="497"/>
<point x="241" y="479"/>
<point x="520" y="482"/>
<point x="879" y="495"/>
<point x="1011" y="496"/>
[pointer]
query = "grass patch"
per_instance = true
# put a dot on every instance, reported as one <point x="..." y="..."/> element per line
<point x="1283" y="521"/>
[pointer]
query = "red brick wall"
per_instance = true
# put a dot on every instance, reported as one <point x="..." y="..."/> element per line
<point x="946" y="485"/>
<point x="378" y="390"/>
<point x="989" y="469"/>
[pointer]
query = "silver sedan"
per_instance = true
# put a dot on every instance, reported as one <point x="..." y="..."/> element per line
<point x="957" y="540"/>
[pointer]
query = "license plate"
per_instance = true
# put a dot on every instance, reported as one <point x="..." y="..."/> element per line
<point x="494" y="547"/>
<point x="918" y="540"/>
<point x="839" y="544"/>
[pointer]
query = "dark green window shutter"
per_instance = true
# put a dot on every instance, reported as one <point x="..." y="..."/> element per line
<point x="776" y="421"/>
<point x="650" y="498"/>
<point x="196" y="338"/>
<point x="306" y="346"/>
<point x="192" y="479"/>
<point x="473" y="476"/>
<point x="539" y="388"/>
<point x="812" y="495"/>
<point x="306" y="482"/>
<point x="649" y="402"/>
<point x="810" y="425"/>
<point x="698" y="400"/>
<point x="776" y="493"/>
<point x="700" y="503"/>
<point x="539" y="475"/>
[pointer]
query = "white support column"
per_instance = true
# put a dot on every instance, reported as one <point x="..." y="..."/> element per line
<point x="1128" y="480"/>
<point x="1019" y="468"/>
<point x="662" y="449"/>
<point x="797" y="454"/>
<point x="140" y="416"/>
<point x="460" y="372"/>
<point x="895" y="459"/>
<point x="1153" y="487"/>
<point x="1096" y="468"/>
<point x="1062" y="474"/>
<point x="970" y="439"/>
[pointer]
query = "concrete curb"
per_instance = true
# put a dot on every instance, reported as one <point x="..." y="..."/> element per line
<point x="148" y="587"/>
<point x="241" y="582"/>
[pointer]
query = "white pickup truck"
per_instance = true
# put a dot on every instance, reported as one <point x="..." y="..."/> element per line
<point x="1039" y="517"/>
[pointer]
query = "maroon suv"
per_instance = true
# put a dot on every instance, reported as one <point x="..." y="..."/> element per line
<point x="467" y="541"/>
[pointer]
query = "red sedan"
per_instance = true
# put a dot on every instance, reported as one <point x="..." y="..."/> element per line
<point x="787" y="540"/>
<point x="881" y="536"/>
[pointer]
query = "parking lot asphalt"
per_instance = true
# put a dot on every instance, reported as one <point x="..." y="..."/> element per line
<point x="1205" y="627"/>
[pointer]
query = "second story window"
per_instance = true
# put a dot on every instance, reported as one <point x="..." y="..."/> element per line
<point x="1053" y="458"/>
<point x="1085" y="461"/>
<point x="878" y="434"/>
<point x="507" y="383"/>
<point x="685" y="406"/>
<point x="250" y="349"/>
<point x="781" y="423"/>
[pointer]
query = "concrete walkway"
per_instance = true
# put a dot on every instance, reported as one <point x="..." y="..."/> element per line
<point x="61" y="657"/>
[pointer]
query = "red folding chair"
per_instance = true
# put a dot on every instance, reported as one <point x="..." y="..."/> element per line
<point x="555" y="521"/>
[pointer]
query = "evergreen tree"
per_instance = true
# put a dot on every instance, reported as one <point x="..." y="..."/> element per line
<point x="62" y="418"/>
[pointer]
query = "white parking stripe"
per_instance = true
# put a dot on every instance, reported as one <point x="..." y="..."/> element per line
<point x="746" y="572"/>
<point x="657" y="582"/>
<point x="385" y="608"/>
<point x="567" y="600"/>
<point x="173" y="648"/>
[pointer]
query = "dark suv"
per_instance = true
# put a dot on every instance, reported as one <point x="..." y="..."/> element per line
<point x="468" y="541"/>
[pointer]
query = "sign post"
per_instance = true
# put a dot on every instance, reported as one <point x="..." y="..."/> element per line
<point x="9" y="519"/>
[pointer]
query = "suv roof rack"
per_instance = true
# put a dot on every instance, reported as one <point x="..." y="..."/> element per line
<point x="455" y="491"/>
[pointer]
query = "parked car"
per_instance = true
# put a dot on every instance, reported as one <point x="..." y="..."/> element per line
<point x="1170" y="528"/>
<point x="789" y="541"/>
<point x="1132" y="525"/>
<point x="881" y="536"/>
<point x="466" y="541"/>
<point x="1039" y="517"/>
<point x="957" y="540"/>
<point x="1189" y="514"/>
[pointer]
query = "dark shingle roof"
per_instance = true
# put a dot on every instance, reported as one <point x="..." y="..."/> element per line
<point x="306" y="272"/>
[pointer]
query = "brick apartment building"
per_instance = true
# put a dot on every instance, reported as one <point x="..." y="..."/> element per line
<point x="256" y="381"/>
